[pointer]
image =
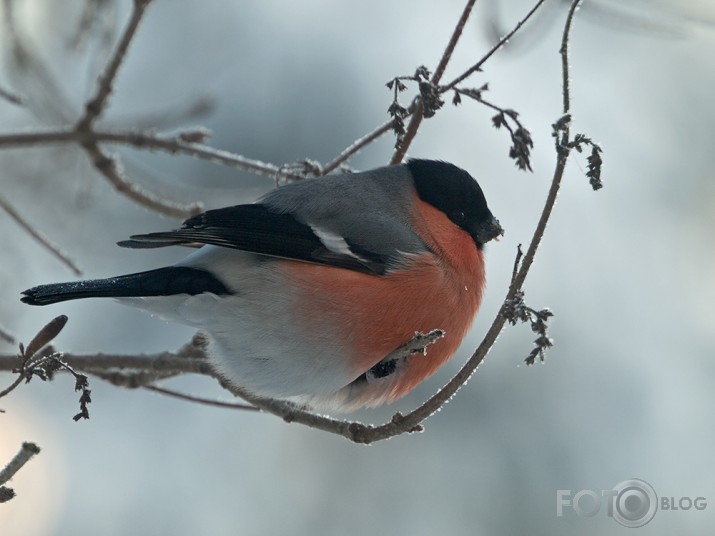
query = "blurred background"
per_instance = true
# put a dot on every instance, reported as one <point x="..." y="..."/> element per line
<point x="626" y="392"/>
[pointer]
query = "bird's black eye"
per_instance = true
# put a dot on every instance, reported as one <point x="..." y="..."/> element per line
<point x="460" y="216"/>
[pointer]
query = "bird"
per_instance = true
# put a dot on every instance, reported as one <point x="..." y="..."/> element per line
<point x="302" y="294"/>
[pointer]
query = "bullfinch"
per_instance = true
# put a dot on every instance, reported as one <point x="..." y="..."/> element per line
<point x="304" y="293"/>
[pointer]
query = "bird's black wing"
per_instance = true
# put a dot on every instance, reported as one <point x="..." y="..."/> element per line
<point x="258" y="229"/>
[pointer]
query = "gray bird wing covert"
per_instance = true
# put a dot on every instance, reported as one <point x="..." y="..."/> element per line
<point x="357" y="222"/>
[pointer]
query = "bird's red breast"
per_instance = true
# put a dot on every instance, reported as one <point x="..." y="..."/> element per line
<point x="372" y="316"/>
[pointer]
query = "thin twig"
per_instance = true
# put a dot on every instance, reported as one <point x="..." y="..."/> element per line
<point x="42" y="240"/>
<point x="449" y="49"/>
<point x="478" y="66"/>
<point x="356" y="146"/>
<point x="418" y="113"/>
<point x="10" y="388"/>
<point x="200" y="400"/>
<point x="96" y="105"/>
<point x="417" y="344"/>
<point x="564" y="51"/>
<point x="517" y="261"/>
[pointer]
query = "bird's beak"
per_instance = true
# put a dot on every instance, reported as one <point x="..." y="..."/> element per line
<point x="490" y="230"/>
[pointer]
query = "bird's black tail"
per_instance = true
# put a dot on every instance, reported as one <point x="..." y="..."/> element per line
<point x="160" y="282"/>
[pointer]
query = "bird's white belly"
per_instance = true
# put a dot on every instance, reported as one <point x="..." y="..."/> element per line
<point x="254" y="341"/>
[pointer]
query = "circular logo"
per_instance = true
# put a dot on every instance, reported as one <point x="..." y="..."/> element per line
<point x="635" y="503"/>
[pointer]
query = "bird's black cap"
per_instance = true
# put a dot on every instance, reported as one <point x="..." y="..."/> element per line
<point x="456" y="193"/>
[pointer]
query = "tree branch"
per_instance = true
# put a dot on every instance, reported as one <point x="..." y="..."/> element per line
<point x="109" y="167"/>
<point x="199" y="400"/>
<point x="168" y="143"/>
<point x="163" y="362"/>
